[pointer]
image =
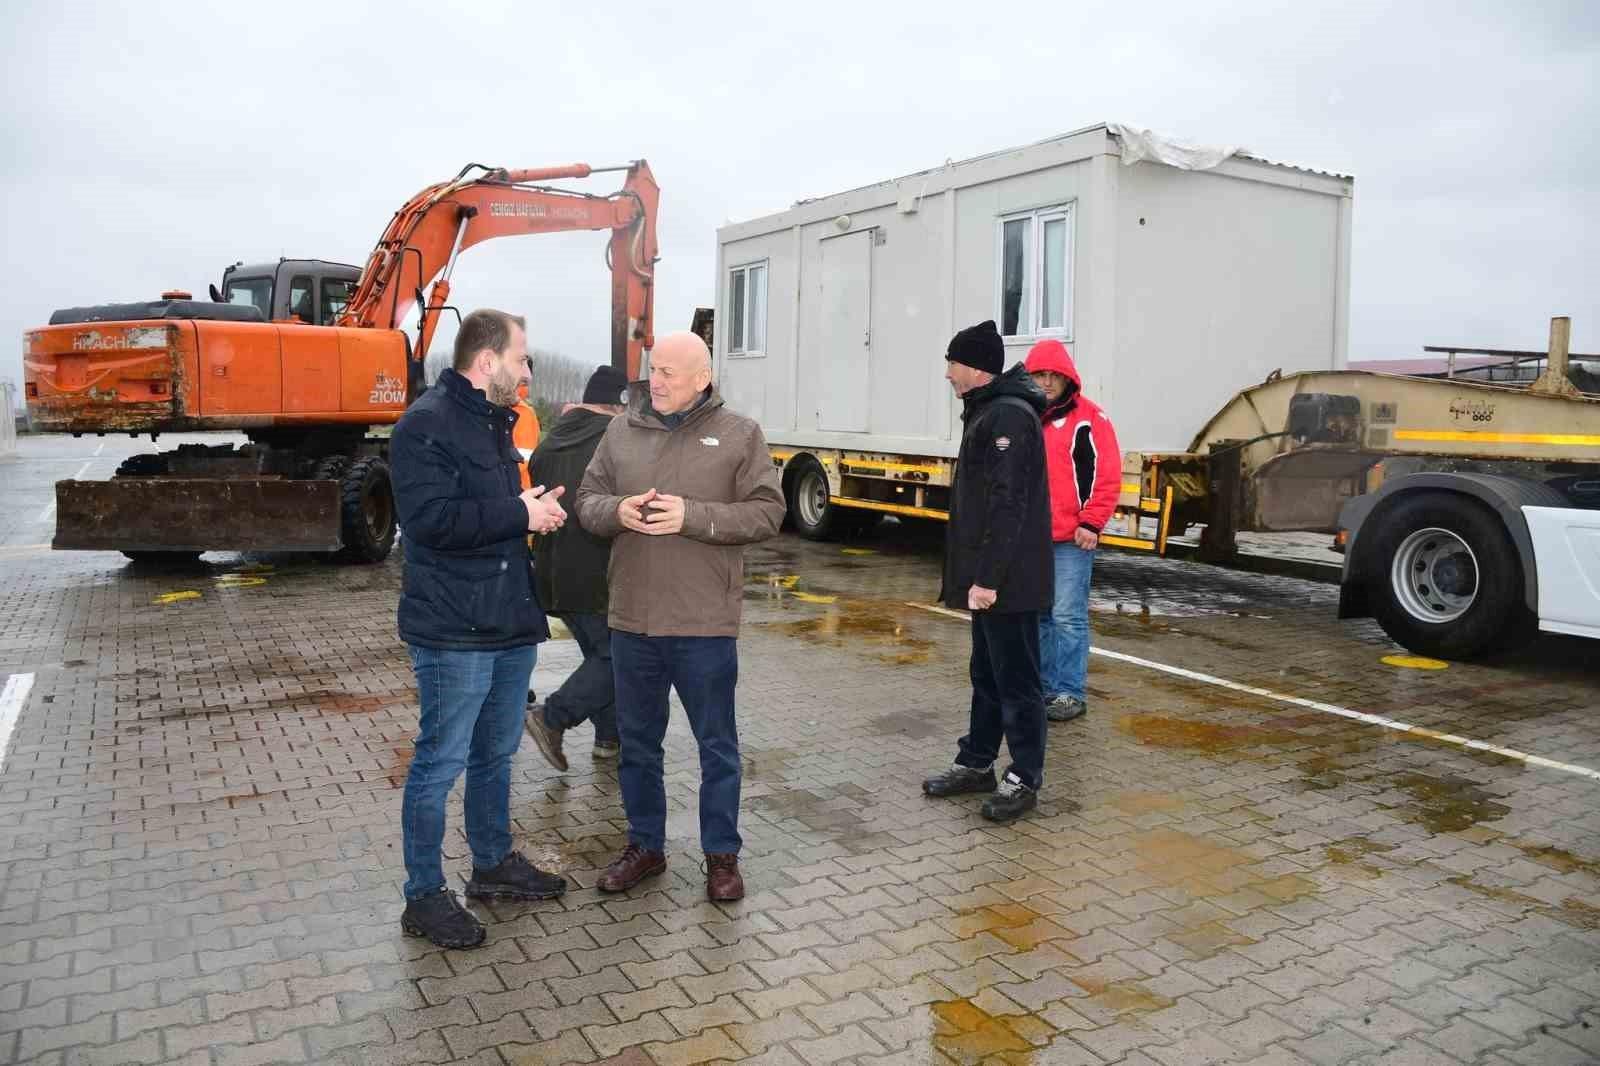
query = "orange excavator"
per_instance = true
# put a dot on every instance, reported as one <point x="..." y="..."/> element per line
<point x="303" y="357"/>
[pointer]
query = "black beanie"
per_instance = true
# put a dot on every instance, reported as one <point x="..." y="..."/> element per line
<point x="979" y="347"/>
<point x="606" y="385"/>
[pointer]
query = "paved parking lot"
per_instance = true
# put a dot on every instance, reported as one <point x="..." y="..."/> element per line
<point x="200" y="861"/>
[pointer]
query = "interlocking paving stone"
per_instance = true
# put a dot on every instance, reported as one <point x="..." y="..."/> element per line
<point x="199" y="842"/>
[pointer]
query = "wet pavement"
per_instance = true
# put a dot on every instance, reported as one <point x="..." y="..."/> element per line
<point x="200" y="861"/>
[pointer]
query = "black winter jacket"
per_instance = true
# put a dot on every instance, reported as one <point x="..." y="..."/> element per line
<point x="570" y="564"/>
<point x="999" y="533"/>
<point x="468" y="577"/>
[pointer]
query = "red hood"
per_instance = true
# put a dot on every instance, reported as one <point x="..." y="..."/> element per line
<point x="1053" y="355"/>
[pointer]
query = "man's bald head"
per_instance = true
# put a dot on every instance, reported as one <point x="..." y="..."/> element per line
<point x="680" y="370"/>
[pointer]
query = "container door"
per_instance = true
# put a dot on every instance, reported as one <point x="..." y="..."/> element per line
<point x="844" y="355"/>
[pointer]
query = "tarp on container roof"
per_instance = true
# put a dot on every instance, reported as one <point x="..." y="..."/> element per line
<point x="1147" y="145"/>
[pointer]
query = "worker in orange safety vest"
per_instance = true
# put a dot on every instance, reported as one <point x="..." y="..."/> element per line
<point x="525" y="434"/>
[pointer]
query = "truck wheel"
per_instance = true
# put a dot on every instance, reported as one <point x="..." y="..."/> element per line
<point x="810" y="503"/>
<point x="1444" y="578"/>
<point x="366" y="500"/>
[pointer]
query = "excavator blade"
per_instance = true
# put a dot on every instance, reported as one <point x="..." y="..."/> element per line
<point x="197" y="514"/>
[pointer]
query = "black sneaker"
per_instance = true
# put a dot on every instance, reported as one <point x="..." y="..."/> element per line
<point x="959" y="779"/>
<point x="1011" y="800"/>
<point x="442" y="919"/>
<point x="1065" y="709"/>
<point x="515" y="878"/>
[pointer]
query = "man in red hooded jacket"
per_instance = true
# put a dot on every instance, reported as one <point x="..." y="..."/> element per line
<point x="1085" y="469"/>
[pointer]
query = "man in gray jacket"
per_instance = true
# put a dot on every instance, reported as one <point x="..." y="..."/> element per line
<point x="682" y="484"/>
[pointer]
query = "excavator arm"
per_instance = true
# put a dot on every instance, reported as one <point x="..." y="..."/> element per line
<point x="423" y="240"/>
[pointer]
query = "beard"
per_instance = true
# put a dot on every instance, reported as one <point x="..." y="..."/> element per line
<point x="502" y="389"/>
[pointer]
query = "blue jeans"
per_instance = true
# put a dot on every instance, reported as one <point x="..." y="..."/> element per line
<point x="589" y="693"/>
<point x="705" y="671"/>
<point x="472" y="707"/>
<point x="1064" y="629"/>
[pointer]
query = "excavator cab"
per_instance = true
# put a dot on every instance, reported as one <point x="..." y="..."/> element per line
<point x="311" y="291"/>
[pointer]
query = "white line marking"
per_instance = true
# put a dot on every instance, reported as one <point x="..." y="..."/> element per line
<point x="12" y="698"/>
<point x="100" y="449"/>
<point x="1316" y="705"/>
<point x="50" y="508"/>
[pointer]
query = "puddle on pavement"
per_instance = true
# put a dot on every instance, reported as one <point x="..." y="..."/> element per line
<point x="967" y="1033"/>
<point x="913" y="725"/>
<point x="1573" y="911"/>
<point x="1137" y="803"/>
<point x="1558" y="859"/>
<point x="1447" y="804"/>
<point x="860" y="624"/>
<point x="1213" y="738"/>
<point x="1349" y="852"/>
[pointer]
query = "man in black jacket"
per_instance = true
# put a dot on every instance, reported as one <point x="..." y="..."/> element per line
<point x="998" y="565"/>
<point x="470" y="622"/>
<point x="570" y="575"/>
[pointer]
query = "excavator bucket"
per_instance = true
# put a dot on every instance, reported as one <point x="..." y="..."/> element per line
<point x="200" y="514"/>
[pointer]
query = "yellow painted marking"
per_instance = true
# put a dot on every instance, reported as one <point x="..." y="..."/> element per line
<point x="891" y="508"/>
<point x="857" y="551"/>
<point x="811" y="597"/>
<point x="239" y="581"/>
<point x="176" y="597"/>
<point x="1132" y="486"/>
<point x="1414" y="662"/>
<point x="906" y="468"/>
<point x="1585" y="440"/>
<point x="1127" y="542"/>
<point x="1165" y="521"/>
<point x="789" y="581"/>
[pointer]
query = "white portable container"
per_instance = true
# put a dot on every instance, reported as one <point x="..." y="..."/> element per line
<point x="1174" y="283"/>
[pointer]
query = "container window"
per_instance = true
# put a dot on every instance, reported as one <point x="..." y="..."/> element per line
<point x="747" y="309"/>
<point x="1035" y="273"/>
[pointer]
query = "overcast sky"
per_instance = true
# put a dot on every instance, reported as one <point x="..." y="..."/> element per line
<point x="148" y="145"/>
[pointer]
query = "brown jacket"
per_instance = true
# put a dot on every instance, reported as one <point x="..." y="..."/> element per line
<point x="689" y="584"/>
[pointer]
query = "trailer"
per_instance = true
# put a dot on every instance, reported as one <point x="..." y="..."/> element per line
<point x="1176" y="276"/>
<point x="1468" y="513"/>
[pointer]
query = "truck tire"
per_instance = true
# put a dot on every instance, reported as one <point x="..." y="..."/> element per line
<point x="1444" y="579"/>
<point x="367" y="519"/>
<point x="811" y="503"/>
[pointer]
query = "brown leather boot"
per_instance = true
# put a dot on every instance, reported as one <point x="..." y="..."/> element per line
<point x="632" y="866"/>
<point x="723" y="883"/>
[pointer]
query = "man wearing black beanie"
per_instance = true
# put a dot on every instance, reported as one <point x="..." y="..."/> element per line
<point x="998" y="565"/>
<point x="569" y="576"/>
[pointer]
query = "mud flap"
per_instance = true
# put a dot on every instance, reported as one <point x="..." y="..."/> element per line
<point x="199" y="514"/>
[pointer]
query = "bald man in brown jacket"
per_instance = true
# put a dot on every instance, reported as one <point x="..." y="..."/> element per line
<point x="682" y="484"/>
